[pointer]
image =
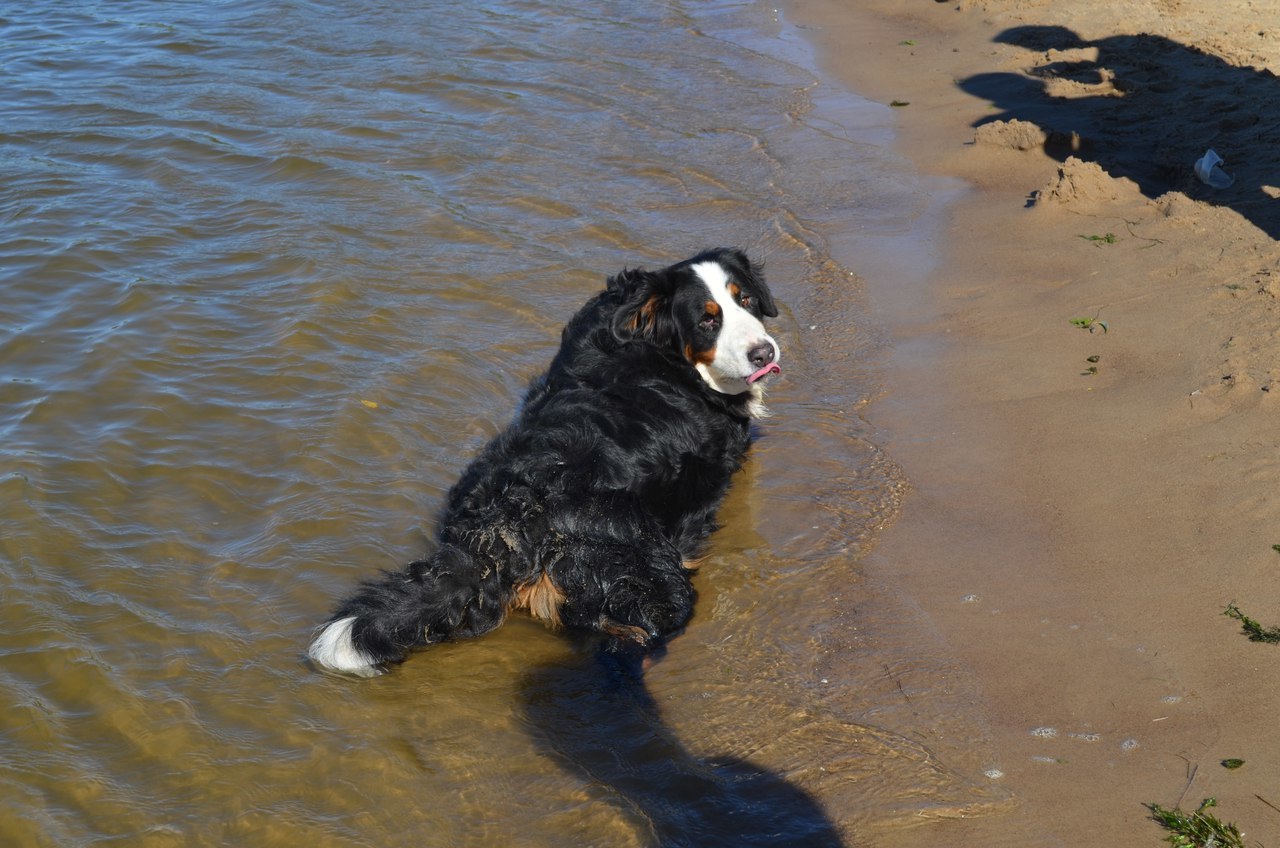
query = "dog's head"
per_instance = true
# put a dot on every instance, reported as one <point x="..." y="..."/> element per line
<point x="709" y="309"/>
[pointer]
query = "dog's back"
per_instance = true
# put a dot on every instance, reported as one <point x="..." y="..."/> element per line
<point x="586" y="510"/>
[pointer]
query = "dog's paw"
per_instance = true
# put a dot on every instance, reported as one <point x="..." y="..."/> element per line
<point x="625" y="632"/>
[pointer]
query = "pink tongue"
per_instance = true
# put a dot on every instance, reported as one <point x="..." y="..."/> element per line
<point x="771" y="368"/>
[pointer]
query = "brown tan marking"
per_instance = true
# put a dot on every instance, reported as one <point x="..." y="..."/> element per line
<point x="699" y="357"/>
<point x="644" y="319"/>
<point x="623" y="631"/>
<point x="735" y="290"/>
<point x="541" y="598"/>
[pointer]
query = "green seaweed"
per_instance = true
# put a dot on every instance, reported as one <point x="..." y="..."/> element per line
<point x="1090" y="324"/>
<point x="1196" y="830"/>
<point x="1255" y="631"/>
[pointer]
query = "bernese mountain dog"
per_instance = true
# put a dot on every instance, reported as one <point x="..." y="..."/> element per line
<point x="590" y="509"/>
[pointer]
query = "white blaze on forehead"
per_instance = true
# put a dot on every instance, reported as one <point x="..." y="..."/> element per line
<point x="740" y="332"/>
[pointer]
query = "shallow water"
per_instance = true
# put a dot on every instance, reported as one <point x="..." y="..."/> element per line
<point x="271" y="272"/>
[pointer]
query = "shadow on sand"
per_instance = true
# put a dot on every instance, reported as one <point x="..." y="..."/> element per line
<point x="1146" y="108"/>
<point x="595" y="716"/>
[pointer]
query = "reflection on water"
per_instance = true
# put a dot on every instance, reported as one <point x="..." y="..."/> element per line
<point x="271" y="271"/>
<point x="596" y="717"/>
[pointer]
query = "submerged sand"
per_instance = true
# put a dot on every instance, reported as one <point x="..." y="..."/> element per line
<point x="1086" y="397"/>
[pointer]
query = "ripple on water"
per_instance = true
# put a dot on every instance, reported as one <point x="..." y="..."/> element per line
<point x="272" y="271"/>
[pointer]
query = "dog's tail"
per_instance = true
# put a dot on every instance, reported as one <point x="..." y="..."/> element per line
<point x="445" y="596"/>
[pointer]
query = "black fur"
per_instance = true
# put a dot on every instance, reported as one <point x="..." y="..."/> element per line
<point x="606" y="483"/>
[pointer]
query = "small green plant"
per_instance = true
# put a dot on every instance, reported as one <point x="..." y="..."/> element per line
<point x="898" y="104"/>
<point x="1090" y="324"/>
<point x="910" y="42"/>
<point x="1255" y="631"/>
<point x="1232" y="763"/>
<point x="1099" y="241"/>
<point x="1200" y="829"/>
<point x="1276" y="548"/>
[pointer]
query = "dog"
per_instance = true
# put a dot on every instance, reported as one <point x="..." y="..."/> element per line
<point x="590" y="509"/>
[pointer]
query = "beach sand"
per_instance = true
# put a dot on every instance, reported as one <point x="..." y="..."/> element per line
<point x="1087" y="500"/>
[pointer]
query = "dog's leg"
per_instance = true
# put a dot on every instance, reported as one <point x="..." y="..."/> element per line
<point x="634" y="594"/>
<point x="450" y="595"/>
<point x="657" y="603"/>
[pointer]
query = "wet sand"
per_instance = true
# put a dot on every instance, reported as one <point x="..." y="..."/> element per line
<point x="1087" y="500"/>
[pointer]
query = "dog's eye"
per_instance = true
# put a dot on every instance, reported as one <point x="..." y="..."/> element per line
<point x="746" y="301"/>
<point x="709" y="321"/>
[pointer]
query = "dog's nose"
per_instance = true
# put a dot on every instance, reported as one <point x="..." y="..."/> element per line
<point x="761" y="355"/>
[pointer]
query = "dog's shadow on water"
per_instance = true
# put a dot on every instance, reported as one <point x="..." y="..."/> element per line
<point x="594" y="715"/>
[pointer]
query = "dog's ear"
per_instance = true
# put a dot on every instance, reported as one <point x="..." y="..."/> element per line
<point x="752" y="275"/>
<point x="644" y="305"/>
<point x="761" y="288"/>
<point x="627" y="281"/>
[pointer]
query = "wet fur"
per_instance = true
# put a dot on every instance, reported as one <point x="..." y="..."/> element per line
<point x="588" y="508"/>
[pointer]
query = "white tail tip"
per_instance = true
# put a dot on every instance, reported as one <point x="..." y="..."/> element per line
<point x="333" y="650"/>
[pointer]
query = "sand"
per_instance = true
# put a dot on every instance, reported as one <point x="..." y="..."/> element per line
<point x="1087" y="500"/>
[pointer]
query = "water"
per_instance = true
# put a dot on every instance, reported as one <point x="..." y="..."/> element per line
<point x="270" y="273"/>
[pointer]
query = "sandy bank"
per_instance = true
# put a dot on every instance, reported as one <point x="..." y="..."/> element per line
<point x="1087" y="500"/>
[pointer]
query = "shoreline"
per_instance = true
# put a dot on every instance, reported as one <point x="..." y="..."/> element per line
<point x="1085" y="501"/>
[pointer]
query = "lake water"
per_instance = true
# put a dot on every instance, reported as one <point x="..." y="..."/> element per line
<point x="271" y="272"/>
